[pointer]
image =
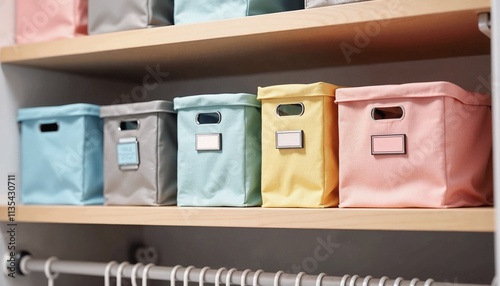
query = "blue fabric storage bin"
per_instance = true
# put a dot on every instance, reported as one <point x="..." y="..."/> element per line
<point x="193" y="11"/>
<point x="61" y="155"/>
<point x="219" y="155"/>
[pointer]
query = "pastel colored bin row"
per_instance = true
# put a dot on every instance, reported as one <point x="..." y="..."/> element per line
<point x="46" y="20"/>
<point x="138" y="163"/>
<point x="409" y="145"/>
<point x="38" y="21"/>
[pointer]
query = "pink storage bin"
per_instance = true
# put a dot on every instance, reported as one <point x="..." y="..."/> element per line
<point x="47" y="20"/>
<point x="414" y="145"/>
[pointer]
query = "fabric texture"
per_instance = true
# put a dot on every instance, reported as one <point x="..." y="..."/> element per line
<point x="302" y="177"/>
<point x="62" y="145"/>
<point x="322" y="3"/>
<point x="189" y="11"/>
<point x="121" y="15"/>
<point x="154" y="181"/>
<point x="448" y="147"/>
<point x="38" y="21"/>
<point x="229" y="176"/>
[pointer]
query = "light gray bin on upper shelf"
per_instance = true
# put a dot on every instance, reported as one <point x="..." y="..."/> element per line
<point x="140" y="153"/>
<point x="120" y="15"/>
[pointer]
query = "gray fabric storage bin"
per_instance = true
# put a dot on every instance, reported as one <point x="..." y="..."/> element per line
<point x="140" y="153"/>
<point x="323" y="3"/>
<point x="120" y="15"/>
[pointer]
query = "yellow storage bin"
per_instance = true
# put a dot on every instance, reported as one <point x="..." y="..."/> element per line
<point x="299" y="145"/>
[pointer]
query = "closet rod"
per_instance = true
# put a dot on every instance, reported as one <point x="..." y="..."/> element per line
<point x="28" y="264"/>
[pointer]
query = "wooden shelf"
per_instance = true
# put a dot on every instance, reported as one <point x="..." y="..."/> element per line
<point x="463" y="219"/>
<point x="393" y="31"/>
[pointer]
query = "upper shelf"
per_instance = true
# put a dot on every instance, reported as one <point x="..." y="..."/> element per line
<point x="462" y="219"/>
<point x="358" y="33"/>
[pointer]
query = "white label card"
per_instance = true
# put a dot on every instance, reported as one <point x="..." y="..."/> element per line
<point x="289" y="139"/>
<point x="391" y="144"/>
<point x="209" y="142"/>
<point x="127" y="153"/>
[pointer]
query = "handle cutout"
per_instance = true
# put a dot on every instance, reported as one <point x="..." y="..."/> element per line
<point x="208" y="118"/>
<point x="49" y="127"/>
<point x="293" y="109"/>
<point x="392" y="112"/>
<point x="129" y="125"/>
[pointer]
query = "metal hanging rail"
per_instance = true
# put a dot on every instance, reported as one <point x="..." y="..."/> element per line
<point x="26" y="265"/>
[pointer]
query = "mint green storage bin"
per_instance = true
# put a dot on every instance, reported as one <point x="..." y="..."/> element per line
<point x="219" y="155"/>
<point x="193" y="11"/>
<point x="61" y="155"/>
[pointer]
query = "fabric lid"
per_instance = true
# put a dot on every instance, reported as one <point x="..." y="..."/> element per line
<point x="223" y="99"/>
<point x="297" y="90"/>
<point x="412" y="90"/>
<point x="137" y="108"/>
<point x="78" y="109"/>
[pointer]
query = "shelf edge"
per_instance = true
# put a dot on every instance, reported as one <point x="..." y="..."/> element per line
<point x="459" y="220"/>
